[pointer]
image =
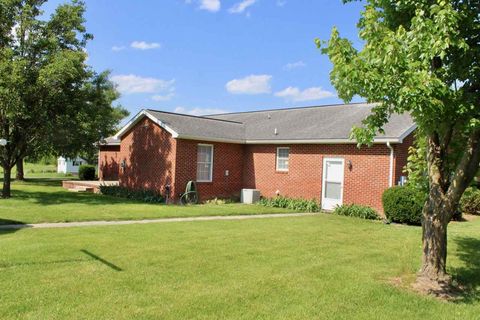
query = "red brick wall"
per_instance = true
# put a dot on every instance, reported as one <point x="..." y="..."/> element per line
<point x="149" y="152"/>
<point x="154" y="159"/>
<point x="108" y="162"/>
<point x="225" y="157"/>
<point x="401" y="155"/>
<point x="363" y="184"/>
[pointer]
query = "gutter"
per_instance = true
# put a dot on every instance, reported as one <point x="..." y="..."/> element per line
<point x="390" y="175"/>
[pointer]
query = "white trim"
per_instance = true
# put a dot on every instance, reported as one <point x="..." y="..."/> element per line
<point x="277" y="158"/>
<point x="406" y="133"/>
<point x="324" y="169"/>
<point x="211" y="164"/>
<point x="299" y="141"/>
<point x="140" y="116"/>
<point x="390" y="172"/>
<point x="186" y="137"/>
<point x="320" y="141"/>
<point x="106" y="144"/>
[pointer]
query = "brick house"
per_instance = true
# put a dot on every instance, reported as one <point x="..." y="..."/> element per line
<point x="297" y="152"/>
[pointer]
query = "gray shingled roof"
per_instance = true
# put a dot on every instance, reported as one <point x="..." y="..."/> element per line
<point x="315" y="124"/>
<point x="201" y="127"/>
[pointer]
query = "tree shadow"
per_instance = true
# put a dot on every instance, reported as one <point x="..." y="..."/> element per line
<point x="468" y="275"/>
<point x="8" y="222"/>
<point x="4" y="265"/>
<point x="47" y="198"/>
<point x="105" y="262"/>
<point x="109" y="164"/>
<point x="148" y="163"/>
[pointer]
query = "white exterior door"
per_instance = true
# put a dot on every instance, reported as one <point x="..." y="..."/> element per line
<point x="332" y="184"/>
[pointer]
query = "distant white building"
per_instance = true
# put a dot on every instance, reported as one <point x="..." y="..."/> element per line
<point x="67" y="165"/>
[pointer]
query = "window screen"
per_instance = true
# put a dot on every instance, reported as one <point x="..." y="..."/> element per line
<point x="282" y="159"/>
<point x="204" y="163"/>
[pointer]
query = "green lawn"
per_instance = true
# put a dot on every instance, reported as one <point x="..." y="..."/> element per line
<point x="44" y="200"/>
<point x="37" y="170"/>
<point x="320" y="267"/>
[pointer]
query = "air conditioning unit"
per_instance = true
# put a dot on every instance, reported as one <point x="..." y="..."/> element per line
<point x="250" y="196"/>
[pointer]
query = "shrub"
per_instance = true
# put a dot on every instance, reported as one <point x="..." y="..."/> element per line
<point x="404" y="205"/>
<point x="354" y="210"/>
<point x="470" y="202"/>
<point x="216" y="201"/>
<point x="220" y="201"/>
<point x="86" y="172"/>
<point x="292" y="204"/>
<point x="149" y="196"/>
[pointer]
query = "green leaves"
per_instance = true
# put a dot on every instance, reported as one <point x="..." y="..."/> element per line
<point x="413" y="52"/>
<point x="51" y="101"/>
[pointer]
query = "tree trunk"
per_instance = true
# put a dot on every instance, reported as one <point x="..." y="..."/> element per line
<point x="433" y="277"/>
<point x="437" y="212"/>
<point x="20" y="172"/>
<point x="434" y="242"/>
<point x="6" y="182"/>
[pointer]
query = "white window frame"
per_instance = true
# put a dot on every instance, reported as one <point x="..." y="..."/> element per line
<point x="278" y="158"/>
<point x="211" y="163"/>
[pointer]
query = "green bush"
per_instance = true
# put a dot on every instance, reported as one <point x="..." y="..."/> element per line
<point x="354" y="210"/>
<point x="470" y="202"/>
<point x="86" y="172"/>
<point x="404" y="205"/>
<point x="292" y="204"/>
<point x="149" y="196"/>
<point x="220" y="201"/>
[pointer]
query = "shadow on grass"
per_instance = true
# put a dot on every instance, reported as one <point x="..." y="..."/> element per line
<point x="40" y="263"/>
<point x="5" y="222"/>
<point x="46" y="196"/>
<point x="468" y="251"/>
<point x="48" y="182"/>
<point x="105" y="262"/>
<point x="64" y="197"/>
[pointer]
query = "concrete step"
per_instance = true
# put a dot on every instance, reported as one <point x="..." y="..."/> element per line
<point x="81" y="189"/>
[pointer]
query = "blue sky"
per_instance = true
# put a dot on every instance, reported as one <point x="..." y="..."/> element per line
<point x="211" y="56"/>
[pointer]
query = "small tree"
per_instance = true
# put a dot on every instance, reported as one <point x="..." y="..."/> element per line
<point x="51" y="101"/>
<point x="421" y="57"/>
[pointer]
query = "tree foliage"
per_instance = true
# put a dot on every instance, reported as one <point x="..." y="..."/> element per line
<point x="420" y="57"/>
<point x="416" y="168"/>
<point x="51" y="101"/>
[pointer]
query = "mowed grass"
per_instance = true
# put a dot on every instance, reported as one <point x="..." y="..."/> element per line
<point x="318" y="267"/>
<point x="44" y="200"/>
<point x="38" y="170"/>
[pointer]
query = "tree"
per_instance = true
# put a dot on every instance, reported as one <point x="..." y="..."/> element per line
<point x="420" y="57"/>
<point x="51" y="101"/>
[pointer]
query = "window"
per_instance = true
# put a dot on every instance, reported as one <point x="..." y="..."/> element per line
<point x="282" y="159"/>
<point x="204" y="162"/>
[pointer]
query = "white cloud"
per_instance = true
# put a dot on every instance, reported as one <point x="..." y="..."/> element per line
<point x="241" y="6"/>
<point x="281" y="3"/>
<point x="142" y="45"/>
<point x="253" y="84"/>
<point x="118" y="48"/>
<point x="309" y="94"/>
<point x="294" y="65"/>
<point x="164" y="97"/>
<point x="130" y="83"/>
<point x="198" y="111"/>
<point x="210" y="5"/>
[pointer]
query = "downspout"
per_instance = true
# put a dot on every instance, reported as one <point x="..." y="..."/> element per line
<point x="390" y="176"/>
